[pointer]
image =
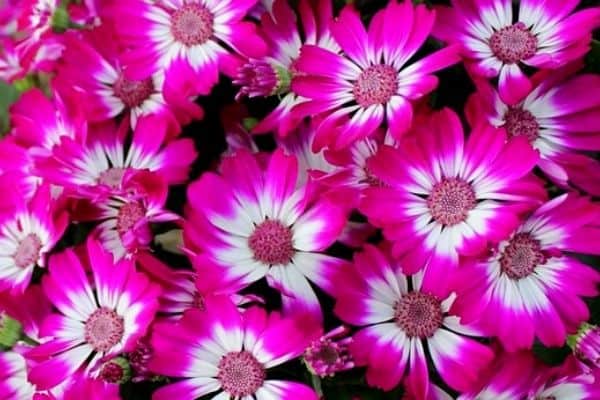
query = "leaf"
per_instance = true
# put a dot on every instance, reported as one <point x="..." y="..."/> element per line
<point x="8" y="95"/>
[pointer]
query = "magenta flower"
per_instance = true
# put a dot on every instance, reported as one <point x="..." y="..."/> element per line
<point x="13" y="377"/>
<point x="97" y="319"/>
<point x="200" y="36"/>
<point x="370" y="83"/>
<point x="586" y="345"/>
<point x="556" y="119"/>
<point x="263" y="225"/>
<point x="229" y="353"/>
<point x="330" y="353"/>
<point x="544" y="34"/>
<point x="529" y="282"/>
<point x="399" y="316"/>
<point x="445" y="196"/>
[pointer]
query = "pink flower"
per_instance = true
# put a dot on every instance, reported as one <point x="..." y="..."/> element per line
<point x="446" y="196"/>
<point x="262" y="224"/>
<point x="529" y="282"/>
<point x="398" y="316"/>
<point x="371" y="83"/>
<point x="285" y="34"/>
<point x="542" y="35"/>
<point x="556" y="119"/>
<point x="29" y="229"/>
<point x="13" y="377"/>
<point x="230" y="353"/>
<point x="586" y="345"/>
<point x="200" y="36"/>
<point x="98" y="319"/>
<point x="330" y="353"/>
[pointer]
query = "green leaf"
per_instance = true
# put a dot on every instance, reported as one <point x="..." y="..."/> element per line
<point x="8" y="95"/>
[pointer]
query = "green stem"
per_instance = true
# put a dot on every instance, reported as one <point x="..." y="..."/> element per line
<point x="316" y="384"/>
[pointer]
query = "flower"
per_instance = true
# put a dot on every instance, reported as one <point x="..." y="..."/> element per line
<point x="446" y="196"/>
<point x="97" y="319"/>
<point x="555" y="119"/>
<point x="230" y="353"/>
<point x="370" y="83"/>
<point x="330" y="353"/>
<point x="29" y="229"/>
<point x="263" y="224"/>
<point x="398" y="320"/>
<point x="530" y="282"/>
<point x="541" y="35"/>
<point x="13" y="377"/>
<point x="586" y="345"/>
<point x="199" y="36"/>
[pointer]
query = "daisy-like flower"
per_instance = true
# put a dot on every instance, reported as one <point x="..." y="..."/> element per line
<point x="230" y="353"/>
<point x="273" y="73"/>
<point x="97" y="319"/>
<point x="330" y="353"/>
<point x="202" y="35"/>
<point x="370" y="83"/>
<point x="586" y="345"/>
<point x="91" y="64"/>
<point x="399" y="316"/>
<point x="99" y="165"/>
<point x="29" y="229"/>
<point x="264" y="224"/>
<point x="13" y="377"/>
<point x="543" y="35"/>
<point x="558" y="122"/>
<point x="529" y="282"/>
<point x="445" y="195"/>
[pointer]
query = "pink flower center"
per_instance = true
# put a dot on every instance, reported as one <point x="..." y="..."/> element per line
<point x="104" y="329"/>
<point x="198" y="301"/>
<point x="375" y="85"/>
<point x="112" y="372"/>
<point x="451" y="200"/>
<point x="192" y="24"/>
<point x="521" y="256"/>
<point x="240" y="374"/>
<point x="133" y="93"/>
<point x="271" y="243"/>
<point x="418" y="314"/>
<point x="520" y="122"/>
<point x="513" y="43"/>
<point x="112" y="177"/>
<point x="28" y="251"/>
<point x="129" y="215"/>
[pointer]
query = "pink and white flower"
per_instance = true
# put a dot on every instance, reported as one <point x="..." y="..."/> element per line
<point x="97" y="319"/>
<point x="530" y="282"/>
<point x="13" y="377"/>
<point x="230" y="354"/>
<point x="542" y="35"/>
<point x="446" y="196"/>
<point x="556" y="119"/>
<point x="399" y="316"/>
<point x="370" y="83"/>
<point x="262" y="224"/>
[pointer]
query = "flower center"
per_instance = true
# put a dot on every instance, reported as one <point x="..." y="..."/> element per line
<point x="129" y="215"/>
<point x="520" y="122"/>
<point x="271" y="243"/>
<point x="240" y="374"/>
<point x="192" y="24"/>
<point x="198" y="301"/>
<point x="133" y="93"/>
<point x="28" y="251"/>
<point x="104" y="329"/>
<point x="418" y="314"/>
<point x="112" y="177"/>
<point x="513" y="43"/>
<point x="375" y="85"/>
<point x="521" y="256"/>
<point x="451" y="200"/>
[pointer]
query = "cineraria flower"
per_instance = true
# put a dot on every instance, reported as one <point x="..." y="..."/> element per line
<point x="370" y="83"/>
<point x="91" y="64"/>
<point x="564" y="383"/>
<point x="445" y="195"/>
<point x="529" y="282"/>
<point x="586" y="345"/>
<point x="99" y="165"/>
<point x="263" y="224"/>
<point x="29" y="229"/>
<point x="230" y="353"/>
<point x="196" y="34"/>
<point x="273" y="73"/>
<point x="399" y="315"/>
<point x="97" y="319"/>
<point x="556" y="119"/>
<point x="13" y="377"/>
<point x="330" y="353"/>
<point x="544" y="35"/>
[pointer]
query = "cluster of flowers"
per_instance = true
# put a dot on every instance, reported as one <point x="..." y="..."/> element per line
<point x="462" y="239"/>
